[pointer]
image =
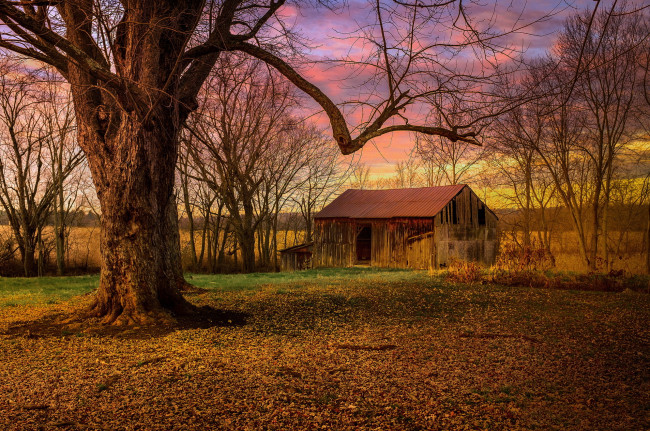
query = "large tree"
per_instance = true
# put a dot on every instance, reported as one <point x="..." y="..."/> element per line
<point x="136" y="66"/>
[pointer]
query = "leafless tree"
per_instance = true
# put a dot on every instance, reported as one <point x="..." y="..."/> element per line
<point x="360" y="176"/>
<point x="451" y="162"/>
<point x="323" y="175"/>
<point x="63" y="157"/>
<point x="29" y="185"/>
<point x="136" y="68"/>
<point x="581" y="120"/>
<point x="240" y="128"/>
<point x="407" y="173"/>
<point x="606" y="88"/>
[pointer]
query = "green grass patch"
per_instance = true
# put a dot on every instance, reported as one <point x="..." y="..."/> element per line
<point x="43" y="290"/>
<point x="18" y="291"/>
<point x="318" y="277"/>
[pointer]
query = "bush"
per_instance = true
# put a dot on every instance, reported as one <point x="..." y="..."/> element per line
<point x="513" y="257"/>
<point x="461" y="271"/>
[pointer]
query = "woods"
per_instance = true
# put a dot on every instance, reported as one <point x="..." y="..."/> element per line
<point x="206" y="108"/>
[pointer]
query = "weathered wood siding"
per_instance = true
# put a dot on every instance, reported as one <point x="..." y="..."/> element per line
<point x="421" y="251"/>
<point x="390" y="242"/>
<point x="295" y="261"/>
<point x="334" y="243"/>
<point x="463" y="234"/>
<point x="396" y="243"/>
<point x="465" y="229"/>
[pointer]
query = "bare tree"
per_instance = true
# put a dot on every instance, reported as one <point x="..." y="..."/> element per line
<point x="607" y="89"/>
<point x="451" y="162"/>
<point x="287" y="172"/>
<point x="551" y="130"/>
<point x="63" y="157"/>
<point x="29" y="186"/>
<point x="360" y="176"/>
<point x="240" y="129"/>
<point x="323" y="175"/>
<point x="136" y="68"/>
<point x="407" y="172"/>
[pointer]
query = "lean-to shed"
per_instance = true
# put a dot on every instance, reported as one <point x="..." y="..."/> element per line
<point x="296" y="257"/>
<point x="417" y="228"/>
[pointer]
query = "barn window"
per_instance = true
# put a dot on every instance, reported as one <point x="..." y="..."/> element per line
<point x="481" y="216"/>
<point x="454" y="214"/>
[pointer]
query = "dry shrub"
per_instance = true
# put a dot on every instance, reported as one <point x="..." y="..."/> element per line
<point x="615" y="281"/>
<point x="515" y="258"/>
<point x="461" y="271"/>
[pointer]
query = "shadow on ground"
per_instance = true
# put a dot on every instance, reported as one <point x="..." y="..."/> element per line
<point x="64" y="325"/>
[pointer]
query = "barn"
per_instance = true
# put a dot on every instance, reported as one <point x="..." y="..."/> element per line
<point x="418" y="228"/>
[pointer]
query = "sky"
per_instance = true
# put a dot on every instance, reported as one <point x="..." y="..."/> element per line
<point x="326" y="31"/>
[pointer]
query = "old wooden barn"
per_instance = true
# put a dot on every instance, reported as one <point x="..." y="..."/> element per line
<point x="416" y="228"/>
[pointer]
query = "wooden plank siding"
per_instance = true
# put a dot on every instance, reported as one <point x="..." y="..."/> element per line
<point x="461" y="235"/>
<point x="464" y="229"/>
<point x="334" y="243"/>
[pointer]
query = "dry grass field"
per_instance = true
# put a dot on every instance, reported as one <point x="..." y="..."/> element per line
<point x="84" y="249"/>
<point x="348" y="349"/>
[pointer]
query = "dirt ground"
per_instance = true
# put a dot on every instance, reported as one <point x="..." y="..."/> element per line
<point x="417" y="354"/>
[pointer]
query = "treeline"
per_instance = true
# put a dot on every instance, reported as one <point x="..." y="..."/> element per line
<point x="565" y="146"/>
<point x="569" y="146"/>
<point x="247" y="157"/>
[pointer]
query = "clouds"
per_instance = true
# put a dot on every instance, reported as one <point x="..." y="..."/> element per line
<point x="334" y="33"/>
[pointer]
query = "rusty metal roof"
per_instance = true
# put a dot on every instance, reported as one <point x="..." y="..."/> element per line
<point x="297" y="248"/>
<point x="418" y="202"/>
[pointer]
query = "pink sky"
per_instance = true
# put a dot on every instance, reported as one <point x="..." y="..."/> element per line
<point x="325" y="28"/>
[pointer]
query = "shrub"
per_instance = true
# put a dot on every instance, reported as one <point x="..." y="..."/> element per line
<point x="513" y="257"/>
<point x="464" y="272"/>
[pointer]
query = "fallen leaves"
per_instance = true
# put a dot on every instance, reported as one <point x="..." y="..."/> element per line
<point x="399" y="355"/>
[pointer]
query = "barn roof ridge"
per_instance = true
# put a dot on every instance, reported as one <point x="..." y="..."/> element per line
<point x="417" y="202"/>
<point x="407" y="188"/>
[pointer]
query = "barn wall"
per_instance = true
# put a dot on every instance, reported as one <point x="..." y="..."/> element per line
<point x="463" y="236"/>
<point x="394" y="243"/>
<point x="295" y="261"/>
<point x="334" y="243"/>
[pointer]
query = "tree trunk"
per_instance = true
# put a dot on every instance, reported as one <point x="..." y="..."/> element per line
<point x="141" y="275"/>
<point x="59" y="218"/>
<point x="274" y="239"/>
<point x="247" y="247"/>
<point x="527" y="210"/>
<point x="647" y="251"/>
<point x="29" y="259"/>
<point x="595" y="233"/>
<point x="190" y="219"/>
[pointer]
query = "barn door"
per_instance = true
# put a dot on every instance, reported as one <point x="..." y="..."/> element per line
<point x="364" y="244"/>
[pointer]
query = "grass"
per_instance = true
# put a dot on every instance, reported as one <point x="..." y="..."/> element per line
<point x="51" y="290"/>
<point x="312" y="277"/>
<point x="44" y="290"/>
<point x="310" y="356"/>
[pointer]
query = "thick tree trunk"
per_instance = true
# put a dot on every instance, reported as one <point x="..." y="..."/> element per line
<point x="141" y="275"/>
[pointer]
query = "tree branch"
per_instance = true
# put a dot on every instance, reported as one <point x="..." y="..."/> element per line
<point x="340" y="129"/>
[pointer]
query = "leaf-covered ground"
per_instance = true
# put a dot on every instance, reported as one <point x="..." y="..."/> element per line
<point x="353" y="350"/>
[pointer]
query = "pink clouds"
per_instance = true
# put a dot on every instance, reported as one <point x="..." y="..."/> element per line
<point x="332" y="34"/>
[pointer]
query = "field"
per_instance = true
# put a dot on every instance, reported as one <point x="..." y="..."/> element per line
<point x="83" y="253"/>
<point x="331" y="349"/>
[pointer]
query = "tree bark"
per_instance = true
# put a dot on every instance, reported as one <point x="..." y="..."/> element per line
<point x="647" y="251"/>
<point x="141" y="275"/>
